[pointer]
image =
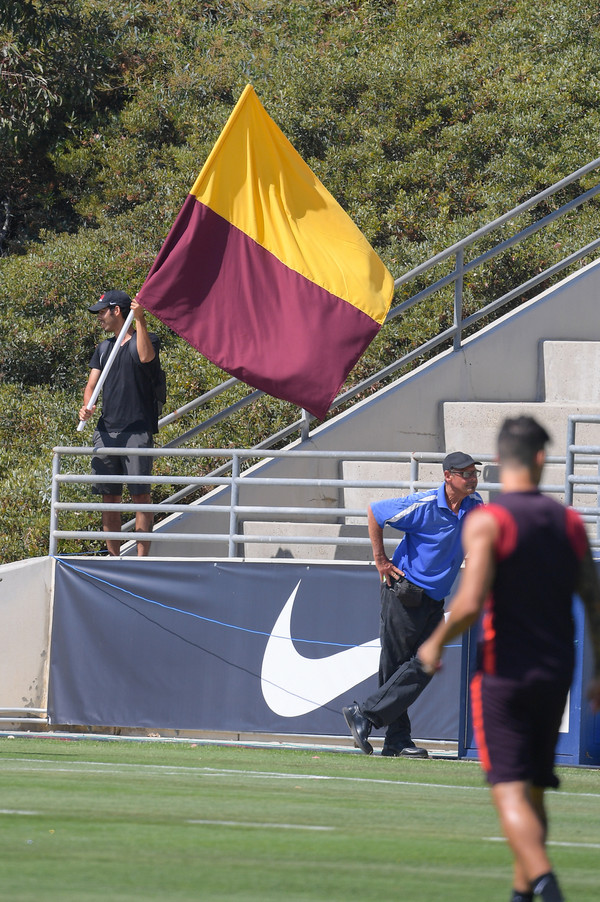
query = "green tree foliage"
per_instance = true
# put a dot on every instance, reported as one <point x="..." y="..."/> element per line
<point x="57" y="63"/>
<point x="424" y="118"/>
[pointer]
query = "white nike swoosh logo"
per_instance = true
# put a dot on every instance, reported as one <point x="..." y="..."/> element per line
<point x="293" y="685"/>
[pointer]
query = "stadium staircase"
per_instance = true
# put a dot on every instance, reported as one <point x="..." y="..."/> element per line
<point x="534" y="349"/>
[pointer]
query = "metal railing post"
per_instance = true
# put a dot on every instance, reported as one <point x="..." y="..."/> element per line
<point x="458" y="297"/>
<point x="570" y="461"/>
<point x="233" y="501"/>
<point x="414" y="472"/>
<point x="598" y="502"/>
<point x="54" y="498"/>
<point x="305" y="428"/>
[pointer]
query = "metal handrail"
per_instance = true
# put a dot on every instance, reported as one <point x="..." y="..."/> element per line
<point x="499" y="222"/>
<point x="585" y="484"/>
<point x="454" y="333"/>
<point x="232" y="507"/>
<point x="235" y="456"/>
<point x="23" y="715"/>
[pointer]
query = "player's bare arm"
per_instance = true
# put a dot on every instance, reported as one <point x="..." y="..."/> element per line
<point x="145" y="348"/>
<point x="479" y="535"/>
<point x="84" y="413"/>
<point x="385" y="568"/>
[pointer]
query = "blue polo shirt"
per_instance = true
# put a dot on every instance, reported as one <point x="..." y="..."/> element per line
<point x="430" y="553"/>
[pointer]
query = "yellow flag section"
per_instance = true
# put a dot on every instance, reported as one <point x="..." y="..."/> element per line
<point x="262" y="186"/>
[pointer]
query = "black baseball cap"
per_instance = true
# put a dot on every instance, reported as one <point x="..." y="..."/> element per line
<point x="458" y="460"/>
<point x="112" y="298"/>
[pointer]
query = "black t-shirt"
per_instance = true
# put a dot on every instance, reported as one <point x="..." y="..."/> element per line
<point x="128" y="399"/>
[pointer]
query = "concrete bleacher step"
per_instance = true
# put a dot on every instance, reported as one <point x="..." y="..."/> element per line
<point x="279" y="536"/>
<point x="382" y="471"/>
<point x="568" y="380"/>
<point x="569" y="384"/>
<point x="285" y="547"/>
<point x="475" y="424"/>
<point x="553" y="475"/>
<point x="397" y="475"/>
<point x="570" y="371"/>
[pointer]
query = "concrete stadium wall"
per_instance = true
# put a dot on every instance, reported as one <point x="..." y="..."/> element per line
<point x="25" y="623"/>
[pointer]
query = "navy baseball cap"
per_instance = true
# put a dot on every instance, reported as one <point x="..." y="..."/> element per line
<point x="458" y="460"/>
<point x="112" y="298"/>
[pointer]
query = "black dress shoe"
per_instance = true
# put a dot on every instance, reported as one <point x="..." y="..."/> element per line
<point x="388" y="751"/>
<point x="413" y="751"/>
<point x="360" y="727"/>
<point x="409" y="751"/>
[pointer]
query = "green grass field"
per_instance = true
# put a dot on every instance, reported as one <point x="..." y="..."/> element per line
<point x="87" y="820"/>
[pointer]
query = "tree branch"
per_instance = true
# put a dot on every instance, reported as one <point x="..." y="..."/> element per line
<point x="6" y="226"/>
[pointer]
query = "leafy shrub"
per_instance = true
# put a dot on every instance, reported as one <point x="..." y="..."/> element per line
<point x="424" y="120"/>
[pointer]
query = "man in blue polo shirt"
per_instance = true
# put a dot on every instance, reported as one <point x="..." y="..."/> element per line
<point x="414" y="584"/>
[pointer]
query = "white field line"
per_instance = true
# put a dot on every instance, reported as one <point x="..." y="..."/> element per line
<point x="103" y="767"/>
<point x="98" y="767"/>
<point x="16" y="811"/>
<point x="259" y="825"/>
<point x="552" y="842"/>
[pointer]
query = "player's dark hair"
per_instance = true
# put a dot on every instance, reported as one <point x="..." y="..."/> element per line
<point x="520" y="439"/>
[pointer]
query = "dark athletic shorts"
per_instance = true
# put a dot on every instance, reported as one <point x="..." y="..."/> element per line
<point x="516" y="725"/>
<point x="121" y="465"/>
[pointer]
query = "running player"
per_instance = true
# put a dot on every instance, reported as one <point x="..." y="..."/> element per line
<point x="526" y="555"/>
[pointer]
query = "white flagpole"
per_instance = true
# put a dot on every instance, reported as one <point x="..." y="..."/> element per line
<point x="106" y="369"/>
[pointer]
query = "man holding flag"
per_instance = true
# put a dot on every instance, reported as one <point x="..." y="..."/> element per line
<point x="129" y="412"/>
<point x="263" y="273"/>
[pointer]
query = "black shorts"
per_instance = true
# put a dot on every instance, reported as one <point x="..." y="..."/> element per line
<point x="122" y="464"/>
<point x="516" y="724"/>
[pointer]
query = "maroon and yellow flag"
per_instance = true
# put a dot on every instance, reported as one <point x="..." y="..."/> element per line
<point x="264" y="273"/>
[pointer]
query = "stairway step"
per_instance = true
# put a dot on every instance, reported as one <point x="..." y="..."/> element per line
<point x="317" y="551"/>
<point x="379" y="471"/>
<point x="571" y="370"/>
<point x="473" y="426"/>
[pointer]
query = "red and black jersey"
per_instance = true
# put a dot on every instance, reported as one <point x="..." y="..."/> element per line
<point x="527" y="623"/>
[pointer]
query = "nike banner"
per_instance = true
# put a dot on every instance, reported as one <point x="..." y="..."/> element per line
<point x="270" y="647"/>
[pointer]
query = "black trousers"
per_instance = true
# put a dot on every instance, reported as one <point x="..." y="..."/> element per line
<point x="403" y="629"/>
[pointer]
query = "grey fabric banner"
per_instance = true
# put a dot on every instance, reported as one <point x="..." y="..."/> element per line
<point x="234" y="646"/>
